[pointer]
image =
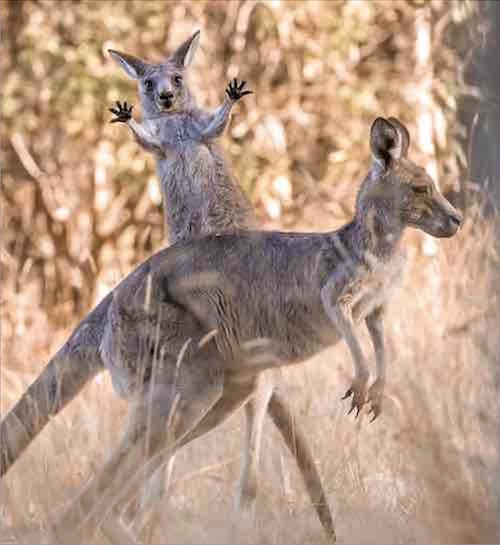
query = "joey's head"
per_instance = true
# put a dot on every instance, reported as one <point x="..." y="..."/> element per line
<point x="402" y="189"/>
<point x="162" y="86"/>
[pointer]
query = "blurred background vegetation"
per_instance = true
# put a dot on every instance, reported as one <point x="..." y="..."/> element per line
<point x="81" y="206"/>
<point x="80" y="201"/>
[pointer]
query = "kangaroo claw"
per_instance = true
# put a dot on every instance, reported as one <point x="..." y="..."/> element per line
<point x="235" y="91"/>
<point x="347" y="394"/>
<point x="123" y="112"/>
<point x="354" y="406"/>
<point x="358" y="393"/>
<point x="375" y="412"/>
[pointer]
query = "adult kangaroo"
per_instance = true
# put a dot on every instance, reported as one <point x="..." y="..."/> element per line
<point x="250" y="301"/>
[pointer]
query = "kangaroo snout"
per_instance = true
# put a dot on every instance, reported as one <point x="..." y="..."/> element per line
<point x="454" y="218"/>
<point x="166" y="99"/>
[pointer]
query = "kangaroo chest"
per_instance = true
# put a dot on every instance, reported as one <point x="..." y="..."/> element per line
<point x="199" y="194"/>
<point x="188" y="177"/>
<point x="371" y="288"/>
<point x="298" y="327"/>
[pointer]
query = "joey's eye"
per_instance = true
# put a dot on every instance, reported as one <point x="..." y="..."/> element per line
<point x="178" y="80"/>
<point x="148" y="84"/>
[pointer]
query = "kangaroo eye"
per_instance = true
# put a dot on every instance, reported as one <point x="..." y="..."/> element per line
<point x="148" y="84"/>
<point x="178" y="80"/>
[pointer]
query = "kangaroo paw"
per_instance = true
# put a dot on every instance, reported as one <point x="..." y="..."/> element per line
<point x="122" y="112"/>
<point x="235" y="91"/>
<point x="375" y="396"/>
<point x="358" y="393"/>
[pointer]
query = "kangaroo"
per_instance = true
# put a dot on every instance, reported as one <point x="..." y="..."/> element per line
<point x="200" y="193"/>
<point x="250" y="301"/>
<point x="203" y="198"/>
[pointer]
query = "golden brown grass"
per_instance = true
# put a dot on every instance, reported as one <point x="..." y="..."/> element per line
<point x="425" y="472"/>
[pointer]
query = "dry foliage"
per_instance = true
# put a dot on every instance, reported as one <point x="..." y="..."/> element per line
<point x="80" y="208"/>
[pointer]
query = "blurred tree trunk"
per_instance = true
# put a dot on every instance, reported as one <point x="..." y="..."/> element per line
<point x="484" y="129"/>
<point x="484" y="145"/>
<point x="490" y="153"/>
<point x="491" y="61"/>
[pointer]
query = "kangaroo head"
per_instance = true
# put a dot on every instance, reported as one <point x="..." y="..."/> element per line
<point x="162" y="86"/>
<point x="399" y="185"/>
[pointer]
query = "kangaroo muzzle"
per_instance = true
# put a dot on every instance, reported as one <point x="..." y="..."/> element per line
<point x="449" y="218"/>
<point x="166" y="100"/>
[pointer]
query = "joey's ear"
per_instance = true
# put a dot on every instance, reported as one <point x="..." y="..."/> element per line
<point x="133" y="66"/>
<point x="185" y="52"/>
<point x="385" y="141"/>
<point x="404" y="135"/>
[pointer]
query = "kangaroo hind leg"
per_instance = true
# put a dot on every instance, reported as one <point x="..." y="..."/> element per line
<point x="159" y="416"/>
<point x="255" y="412"/>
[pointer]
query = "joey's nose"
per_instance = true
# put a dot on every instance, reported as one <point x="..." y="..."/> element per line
<point x="166" y="96"/>
<point x="165" y="100"/>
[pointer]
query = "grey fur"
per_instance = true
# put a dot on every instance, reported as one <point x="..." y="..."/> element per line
<point x="199" y="190"/>
<point x="263" y="300"/>
<point x="202" y="198"/>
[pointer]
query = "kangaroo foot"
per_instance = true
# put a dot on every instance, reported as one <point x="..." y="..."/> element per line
<point x="244" y="520"/>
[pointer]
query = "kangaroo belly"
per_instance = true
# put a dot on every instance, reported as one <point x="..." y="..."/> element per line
<point x="200" y="195"/>
<point x="252" y="329"/>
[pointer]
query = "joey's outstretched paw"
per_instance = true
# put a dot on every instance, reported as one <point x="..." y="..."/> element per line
<point x="358" y="393"/>
<point x="122" y="112"/>
<point x="375" y="395"/>
<point x="235" y="91"/>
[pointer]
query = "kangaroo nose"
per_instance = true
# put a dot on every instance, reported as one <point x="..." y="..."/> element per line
<point x="457" y="218"/>
<point x="166" y="95"/>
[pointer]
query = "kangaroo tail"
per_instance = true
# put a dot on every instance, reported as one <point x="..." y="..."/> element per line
<point x="298" y="445"/>
<point x="61" y="380"/>
<point x="76" y="363"/>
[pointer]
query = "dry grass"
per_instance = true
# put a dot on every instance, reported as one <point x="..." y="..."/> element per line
<point x="423" y="473"/>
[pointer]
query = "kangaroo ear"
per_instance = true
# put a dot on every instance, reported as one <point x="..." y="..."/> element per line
<point x="185" y="52"/>
<point x="133" y="66"/>
<point x="404" y="135"/>
<point x="385" y="142"/>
